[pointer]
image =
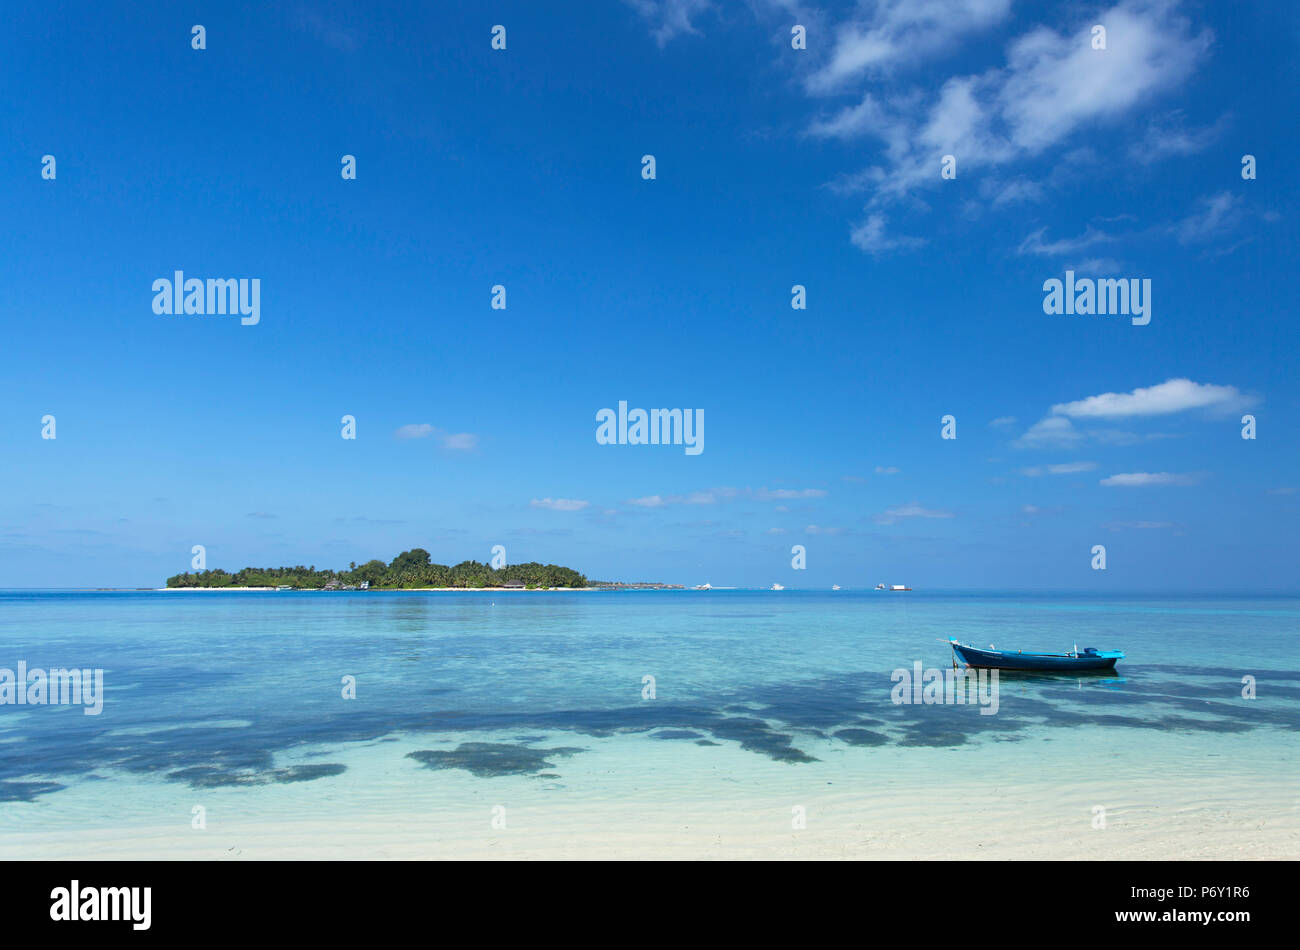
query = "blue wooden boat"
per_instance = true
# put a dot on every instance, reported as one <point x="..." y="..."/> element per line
<point x="990" y="659"/>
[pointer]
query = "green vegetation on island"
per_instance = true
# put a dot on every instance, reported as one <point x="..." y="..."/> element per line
<point x="409" y="569"/>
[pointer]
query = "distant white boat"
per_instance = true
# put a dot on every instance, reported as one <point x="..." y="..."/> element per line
<point x="704" y="587"/>
<point x="835" y="587"/>
<point x="777" y="587"/>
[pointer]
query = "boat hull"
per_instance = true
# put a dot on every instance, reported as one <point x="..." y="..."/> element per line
<point x="1042" y="662"/>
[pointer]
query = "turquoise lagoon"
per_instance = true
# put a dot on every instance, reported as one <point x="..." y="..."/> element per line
<point x="234" y="700"/>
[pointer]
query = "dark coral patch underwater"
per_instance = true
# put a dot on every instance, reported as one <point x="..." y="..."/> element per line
<point x="207" y="776"/>
<point x="861" y="737"/>
<point x="490" y="759"/>
<point x="769" y="719"/>
<point x="26" y="791"/>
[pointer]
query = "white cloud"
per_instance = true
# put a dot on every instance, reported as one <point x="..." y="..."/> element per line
<point x="1056" y="82"/>
<point x="1052" y="87"/>
<point x="659" y="501"/>
<point x="870" y="236"/>
<point x="818" y="529"/>
<point x="913" y="510"/>
<point x="460" y="442"/>
<point x="1003" y="421"/>
<point x="1169" y="137"/>
<point x="454" y="442"/>
<point x="420" y="430"/>
<point x="1034" y="243"/>
<point x="868" y="116"/>
<point x="1143" y="479"/>
<point x="886" y="470"/>
<point x="1173" y="395"/>
<point x="719" y="495"/>
<point x="898" y="31"/>
<point x="1017" y="191"/>
<point x="781" y="494"/>
<point x="1066" y="468"/>
<point x="1097" y="265"/>
<point x="559" y="504"/>
<point x="1215" y="215"/>
<point x="669" y="18"/>
<point x="1054" y="431"/>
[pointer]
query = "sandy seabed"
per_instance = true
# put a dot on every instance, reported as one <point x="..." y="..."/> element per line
<point x="1182" y="820"/>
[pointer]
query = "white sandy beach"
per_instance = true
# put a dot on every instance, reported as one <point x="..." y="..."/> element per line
<point x="1176" y="821"/>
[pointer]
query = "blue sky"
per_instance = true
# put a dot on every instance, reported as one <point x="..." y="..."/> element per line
<point x="774" y="167"/>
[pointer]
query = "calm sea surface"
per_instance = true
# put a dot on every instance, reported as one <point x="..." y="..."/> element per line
<point x="236" y="698"/>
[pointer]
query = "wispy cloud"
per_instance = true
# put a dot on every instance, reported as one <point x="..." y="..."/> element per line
<point x="1144" y="479"/>
<point x="870" y="236"/>
<point x="1052" y="432"/>
<point x="904" y="512"/>
<point x="891" y="33"/>
<point x="451" y="441"/>
<point x="559" y="504"/>
<point x="660" y="501"/>
<point x="1215" y="216"/>
<point x="1168" y="136"/>
<point x="328" y="31"/>
<point x="1016" y="191"/>
<point x="782" y="494"/>
<point x="1034" y="243"/>
<point x="1097" y="265"/>
<point x="460" y="442"/>
<point x="669" y="18"/>
<point x="1065" y="468"/>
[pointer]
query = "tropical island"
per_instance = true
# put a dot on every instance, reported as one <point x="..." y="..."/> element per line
<point x="410" y="569"/>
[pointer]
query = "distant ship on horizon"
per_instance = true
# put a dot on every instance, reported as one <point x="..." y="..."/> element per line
<point x="777" y="587"/>
<point x="892" y="587"/>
